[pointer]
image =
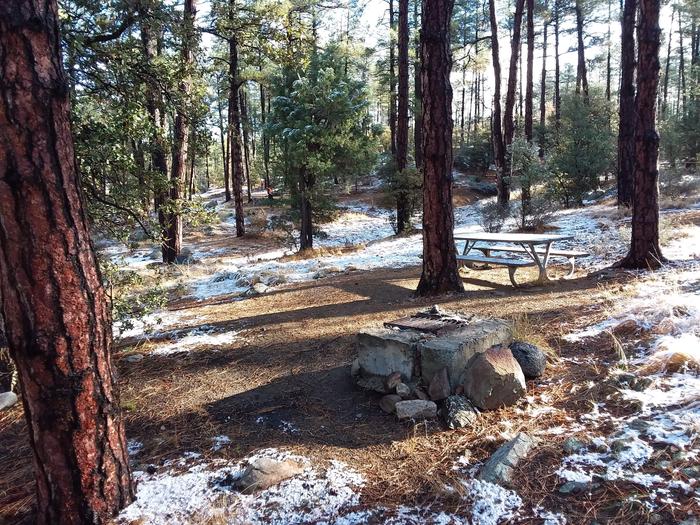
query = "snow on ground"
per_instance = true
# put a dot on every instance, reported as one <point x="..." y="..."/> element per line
<point x="202" y="336"/>
<point x="191" y="491"/>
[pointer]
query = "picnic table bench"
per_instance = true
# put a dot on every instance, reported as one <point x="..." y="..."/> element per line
<point x="537" y="247"/>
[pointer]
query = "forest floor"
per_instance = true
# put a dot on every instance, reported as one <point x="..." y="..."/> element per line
<point x="230" y="371"/>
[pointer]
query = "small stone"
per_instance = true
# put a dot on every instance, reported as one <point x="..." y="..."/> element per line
<point x="626" y="328"/>
<point x="577" y="487"/>
<point x="639" y="425"/>
<point x="420" y="393"/>
<point x="416" y="409"/>
<point x="531" y="359"/>
<point x="439" y="388"/>
<point x="664" y="464"/>
<point x="499" y="467"/>
<point x="573" y="445"/>
<point x="458" y="412"/>
<point x="260" y="288"/>
<point x="263" y="473"/>
<point x="7" y="399"/>
<point x="392" y="380"/>
<point x="692" y="472"/>
<point x="133" y="358"/>
<point x="151" y="469"/>
<point x="403" y="390"/>
<point x="388" y="403"/>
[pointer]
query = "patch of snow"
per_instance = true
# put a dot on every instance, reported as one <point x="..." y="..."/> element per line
<point x="133" y="447"/>
<point x="220" y="442"/>
<point x="203" y="336"/>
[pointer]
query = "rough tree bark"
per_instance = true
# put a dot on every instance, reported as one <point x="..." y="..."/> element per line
<point x="530" y="23"/>
<point x="499" y="153"/>
<point x="245" y="125"/>
<point x="402" y="211"/>
<point x="644" y="247"/>
<point x="543" y="87"/>
<point x="223" y="134"/>
<point x="581" y="69"/>
<point x="57" y="318"/>
<point x="508" y="120"/>
<point x="625" y="139"/>
<point x="417" y="95"/>
<point x="172" y="243"/>
<point x="154" y="107"/>
<point x="440" y="273"/>
<point x="668" y="63"/>
<point x="392" y="79"/>
<point x="234" y="133"/>
<point x="557" y="69"/>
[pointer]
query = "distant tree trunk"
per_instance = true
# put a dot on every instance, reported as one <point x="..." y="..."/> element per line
<point x="529" y="94"/>
<point x="223" y="133"/>
<point x="608" y="67"/>
<point x="508" y="120"/>
<point x="543" y="88"/>
<point x="192" y="171"/>
<point x="557" y="93"/>
<point x="206" y="166"/>
<point x="644" y="248"/>
<point x="581" y="69"/>
<point x="265" y="138"/>
<point x="246" y="150"/>
<point x="440" y="274"/>
<point x="306" y="237"/>
<point x="234" y="132"/>
<point x="392" y="80"/>
<point x="56" y="314"/>
<point x="499" y="153"/>
<point x="626" y="140"/>
<point x="154" y="108"/>
<point x="668" y="64"/>
<point x="681" y="67"/>
<point x="172" y="244"/>
<point x="417" y="94"/>
<point x="402" y="209"/>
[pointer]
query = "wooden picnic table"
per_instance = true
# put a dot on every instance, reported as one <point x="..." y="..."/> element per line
<point x="538" y="248"/>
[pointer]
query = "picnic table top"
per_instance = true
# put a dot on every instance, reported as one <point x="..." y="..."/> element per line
<point x="535" y="238"/>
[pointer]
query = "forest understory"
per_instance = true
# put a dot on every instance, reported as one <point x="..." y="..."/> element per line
<point x="228" y="371"/>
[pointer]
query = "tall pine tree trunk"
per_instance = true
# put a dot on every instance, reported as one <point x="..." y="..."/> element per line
<point x="234" y="133"/>
<point x="644" y="248"/>
<point x="392" y="79"/>
<point x="508" y="119"/>
<point x="625" y="140"/>
<point x="668" y="64"/>
<point x="223" y="133"/>
<point x="172" y="244"/>
<point x="557" y="69"/>
<point x="417" y="95"/>
<point x="55" y="310"/>
<point x="543" y="88"/>
<point x="402" y="208"/>
<point x="581" y="68"/>
<point x="245" y="123"/>
<point x="525" y="192"/>
<point x="440" y="273"/>
<point x="499" y="153"/>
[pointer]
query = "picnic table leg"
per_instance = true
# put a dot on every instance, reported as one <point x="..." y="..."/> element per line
<point x="511" y="274"/>
<point x="541" y="263"/>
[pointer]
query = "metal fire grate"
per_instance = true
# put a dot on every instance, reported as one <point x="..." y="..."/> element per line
<point x="432" y="322"/>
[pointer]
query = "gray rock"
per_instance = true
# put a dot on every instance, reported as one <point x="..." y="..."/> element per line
<point x="260" y="288"/>
<point x="458" y="412"/>
<point x="392" y="380"/>
<point x="420" y="393"/>
<point x="499" y="467"/>
<point x="388" y="403"/>
<point x="577" y="487"/>
<point x="692" y="472"/>
<point x="531" y="359"/>
<point x="133" y="358"/>
<point x="381" y="353"/>
<point x="453" y="351"/>
<point x="7" y="399"/>
<point x="415" y="409"/>
<point x="439" y="388"/>
<point x="403" y="390"/>
<point x="263" y="473"/>
<point x="493" y="379"/>
<point x="573" y="445"/>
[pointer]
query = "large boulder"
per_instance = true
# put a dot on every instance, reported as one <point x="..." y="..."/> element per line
<point x="454" y="350"/>
<point x="262" y="473"/>
<point x="383" y="352"/>
<point x="439" y="387"/>
<point x="531" y="359"/>
<point x="499" y="467"/>
<point x="7" y="399"/>
<point x="494" y="379"/>
<point x="415" y="409"/>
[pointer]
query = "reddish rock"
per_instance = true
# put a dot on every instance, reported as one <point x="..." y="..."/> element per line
<point x="494" y="379"/>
